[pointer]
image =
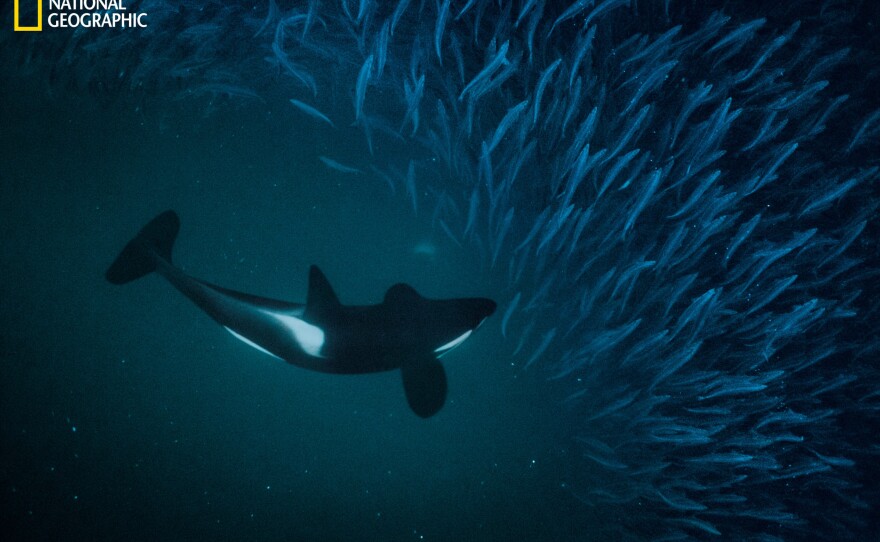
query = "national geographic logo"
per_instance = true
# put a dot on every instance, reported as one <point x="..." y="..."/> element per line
<point x="17" y="14"/>
<point x="76" y="14"/>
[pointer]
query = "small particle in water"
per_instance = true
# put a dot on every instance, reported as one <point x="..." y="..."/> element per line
<point x="73" y="428"/>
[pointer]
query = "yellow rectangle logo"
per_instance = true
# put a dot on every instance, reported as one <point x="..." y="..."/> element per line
<point x="38" y="27"/>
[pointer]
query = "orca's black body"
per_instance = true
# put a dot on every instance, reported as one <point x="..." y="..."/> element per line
<point x="406" y="331"/>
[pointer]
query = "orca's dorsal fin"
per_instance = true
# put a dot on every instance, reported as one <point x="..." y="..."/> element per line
<point x="321" y="302"/>
<point x="402" y="294"/>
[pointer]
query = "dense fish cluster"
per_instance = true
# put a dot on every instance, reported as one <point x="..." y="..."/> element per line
<point x="679" y="200"/>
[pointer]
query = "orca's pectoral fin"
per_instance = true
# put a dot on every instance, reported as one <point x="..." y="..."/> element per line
<point x="424" y="382"/>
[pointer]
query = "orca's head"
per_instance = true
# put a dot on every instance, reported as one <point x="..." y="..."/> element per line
<point x="478" y="309"/>
<point x="438" y="324"/>
<point x="460" y="318"/>
<point x="461" y="314"/>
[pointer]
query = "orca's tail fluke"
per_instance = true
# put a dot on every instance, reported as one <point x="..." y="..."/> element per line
<point x="139" y="257"/>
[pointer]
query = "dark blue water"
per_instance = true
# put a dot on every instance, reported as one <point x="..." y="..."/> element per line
<point x="681" y="237"/>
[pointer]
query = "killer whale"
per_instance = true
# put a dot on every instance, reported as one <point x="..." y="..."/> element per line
<point x="406" y="331"/>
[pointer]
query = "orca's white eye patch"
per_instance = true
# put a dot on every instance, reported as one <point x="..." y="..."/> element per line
<point x="453" y="343"/>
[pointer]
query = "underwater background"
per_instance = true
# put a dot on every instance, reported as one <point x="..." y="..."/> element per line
<point x="673" y="202"/>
